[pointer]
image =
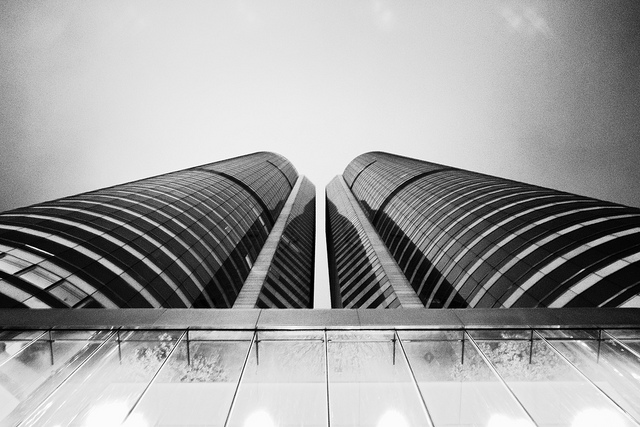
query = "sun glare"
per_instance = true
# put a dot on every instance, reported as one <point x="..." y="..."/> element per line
<point x="593" y="417"/>
<point x="499" y="420"/>
<point x="259" y="419"/>
<point x="392" y="418"/>
<point x="112" y="414"/>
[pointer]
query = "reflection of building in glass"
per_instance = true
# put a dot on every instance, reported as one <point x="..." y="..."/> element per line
<point x="454" y="238"/>
<point x="184" y="239"/>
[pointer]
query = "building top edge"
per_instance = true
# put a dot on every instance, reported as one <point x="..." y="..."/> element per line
<point x="186" y="168"/>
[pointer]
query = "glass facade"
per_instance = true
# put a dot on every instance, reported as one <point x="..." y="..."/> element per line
<point x="465" y="239"/>
<point x="318" y="377"/>
<point x="183" y="239"/>
<point x="289" y="281"/>
<point x="356" y="274"/>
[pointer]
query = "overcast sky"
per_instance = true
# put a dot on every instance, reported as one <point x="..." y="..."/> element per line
<point x="95" y="93"/>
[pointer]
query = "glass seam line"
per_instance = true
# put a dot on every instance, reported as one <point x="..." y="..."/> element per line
<point x="326" y="376"/>
<point x="358" y="174"/>
<point x="495" y="372"/>
<point x="150" y="383"/>
<point x="414" y="379"/>
<point x="17" y="353"/>
<point x="575" y="368"/>
<point x="244" y="365"/>
<point x="64" y="381"/>
<point x="622" y="344"/>
<point x="282" y="172"/>
<point x="402" y="186"/>
<point x="246" y="188"/>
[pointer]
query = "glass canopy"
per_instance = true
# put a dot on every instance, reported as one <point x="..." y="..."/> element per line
<point x="373" y="378"/>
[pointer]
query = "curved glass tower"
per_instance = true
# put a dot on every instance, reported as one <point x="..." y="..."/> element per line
<point x="240" y="233"/>
<point x="183" y="239"/>
<point x="464" y="239"/>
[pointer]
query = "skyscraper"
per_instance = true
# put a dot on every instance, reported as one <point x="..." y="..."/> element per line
<point x="401" y="229"/>
<point x="240" y="233"/>
<point x="191" y="238"/>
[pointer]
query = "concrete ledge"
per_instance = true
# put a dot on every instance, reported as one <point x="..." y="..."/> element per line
<point x="407" y="318"/>
<point x="308" y="318"/>
<point x="203" y="318"/>
<point x="320" y="319"/>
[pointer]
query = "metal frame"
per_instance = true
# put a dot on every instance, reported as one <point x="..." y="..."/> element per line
<point x="394" y="322"/>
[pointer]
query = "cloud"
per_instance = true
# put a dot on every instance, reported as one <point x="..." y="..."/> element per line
<point x="383" y="16"/>
<point x="247" y="12"/>
<point x="526" y="21"/>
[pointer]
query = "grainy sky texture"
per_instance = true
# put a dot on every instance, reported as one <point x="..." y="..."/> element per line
<point x="95" y="93"/>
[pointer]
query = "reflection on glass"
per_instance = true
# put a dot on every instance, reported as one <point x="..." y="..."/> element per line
<point x="458" y="391"/>
<point x="624" y="334"/>
<point x="283" y="382"/>
<point x="500" y="420"/>
<point x="16" y="350"/>
<point x="196" y="386"/>
<point x="12" y="343"/>
<point x="31" y="370"/>
<point x="369" y="379"/>
<point x="572" y="378"/>
<point x="629" y="338"/>
<point x="607" y="362"/>
<point x="259" y="418"/>
<point x="118" y="372"/>
<point x="549" y="388"/>
<point x="598" y="418"/>
<point x="111" y="414"/>
<point x="392" y="418"/>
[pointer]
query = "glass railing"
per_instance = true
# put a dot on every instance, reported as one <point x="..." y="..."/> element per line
<point x="264" y="378"/>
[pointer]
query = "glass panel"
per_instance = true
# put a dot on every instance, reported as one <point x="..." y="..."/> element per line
<point x="284" y="379"/>
<point x="34" y="302"/>
<point x="284" y="382"/>
<point x="12" y="343"/>
<point x="568" y="334"/>
<point x="11" y="291"/>
<point x="197" y="385"/>
<point x="457" y="391"/>
<point x="630" y="338"/>
<point x="40" y="277"/>
<point x="34" y="371"/>
<point x="370" y="383"/>
<point x="549" y="388"/>
<point x="103" y="390"/>
<point x="611" y="366"/>
<point x="623" y="334"/>
<point x="10" y="264"/>
<point x="68" y="293"/>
